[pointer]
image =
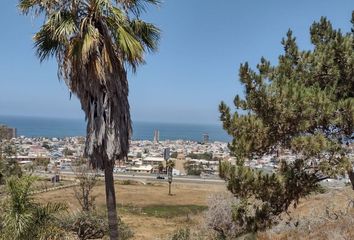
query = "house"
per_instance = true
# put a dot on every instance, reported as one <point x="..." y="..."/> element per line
<point x="140" y="169"/>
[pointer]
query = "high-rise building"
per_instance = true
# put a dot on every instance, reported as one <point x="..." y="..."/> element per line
<point x="205" y="138"/>
<point x="7" y="132"/>
<point x="166" y="153"/>
<point x="156" y="136"/>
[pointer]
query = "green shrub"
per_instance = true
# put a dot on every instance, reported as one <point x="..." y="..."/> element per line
<point x="181" y="234"/>
<point x="93" y="225"/>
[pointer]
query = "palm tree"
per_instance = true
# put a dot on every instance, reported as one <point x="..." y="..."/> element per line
<point x="170" y="164"/>
<point x="94" y="41"/>
<point x="22" y="218"/>
<point x="160" y="167"/>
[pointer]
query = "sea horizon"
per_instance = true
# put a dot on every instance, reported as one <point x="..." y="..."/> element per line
<point x="34" y="126"/>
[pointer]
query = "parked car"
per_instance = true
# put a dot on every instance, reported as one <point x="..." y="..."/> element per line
<point x="160" y="177"/>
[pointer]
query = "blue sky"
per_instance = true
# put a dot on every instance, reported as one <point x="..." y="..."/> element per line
<point x="203" y="43"/>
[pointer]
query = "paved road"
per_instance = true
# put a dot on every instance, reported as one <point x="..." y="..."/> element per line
<point x="148" y="178"/>
<point x="175" y="178"/>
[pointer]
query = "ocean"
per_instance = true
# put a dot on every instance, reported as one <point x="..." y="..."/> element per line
<point x="56" y="127"/>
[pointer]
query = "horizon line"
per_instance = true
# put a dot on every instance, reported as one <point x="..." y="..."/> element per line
<point x="219" y="123"/>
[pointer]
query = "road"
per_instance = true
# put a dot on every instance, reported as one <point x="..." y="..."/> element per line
<point x="175" y="178"/>
<point x="148" y="177"/>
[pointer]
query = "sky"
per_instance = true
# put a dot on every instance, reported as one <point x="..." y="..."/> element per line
<point x="202" y="45"/>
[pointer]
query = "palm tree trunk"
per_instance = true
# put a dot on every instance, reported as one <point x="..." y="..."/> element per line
<point x="111" y="203"/>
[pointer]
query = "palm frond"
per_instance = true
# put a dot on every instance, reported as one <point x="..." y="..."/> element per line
<point x="16" y="226"/>
<point x="19" y="190"/>
<point x="62" y="24"/>
<point x="137" y="6"/>
<point x="130" y="46"/>
<point x="26" y="6"/>
<point x="18" y="217"/>
<point x="54" y="34"/>
<point x="117" y="16"/>
<point x="47" y="212"/>
<point x="38" y="6"/>
<point x="147" y="33"/>
<point x="91" y="39"/>
<point x="45" y="45"/>
<point x="101" y="6"/>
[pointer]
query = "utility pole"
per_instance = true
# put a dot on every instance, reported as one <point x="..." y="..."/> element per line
<point x="169" y="179"/>
<point x="166" y="156"/>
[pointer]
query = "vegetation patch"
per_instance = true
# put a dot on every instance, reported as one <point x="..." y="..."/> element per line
<point x="163" y="211"/>
<point x="154" y="184"/>
<point x="128" y="182"/>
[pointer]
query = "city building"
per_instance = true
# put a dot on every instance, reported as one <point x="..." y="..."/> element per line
<point x="7" y="132"/>
<point x="205" y="138"/>
<point x="153" y="160"/>
<point x="140" y="169"/>
<point x="156" y="136"/>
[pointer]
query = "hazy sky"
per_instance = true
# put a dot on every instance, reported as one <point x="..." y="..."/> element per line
<point x="203" y="43"/>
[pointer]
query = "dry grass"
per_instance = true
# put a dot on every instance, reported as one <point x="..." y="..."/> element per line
<point x="324" y="216"/>
<point x="148" y="226"/>
<point x="309" y="220"/>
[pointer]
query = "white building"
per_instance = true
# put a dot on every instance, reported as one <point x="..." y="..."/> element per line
<point x="153" y="160"/>
<point x="141" y="169"/>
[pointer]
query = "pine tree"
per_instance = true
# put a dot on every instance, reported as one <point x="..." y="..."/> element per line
<point x="305" y="105"/>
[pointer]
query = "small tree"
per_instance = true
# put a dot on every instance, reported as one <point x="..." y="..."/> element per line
<point x="68" y="152"/>
<point x="218" y="217"/>
<point x="87" y="180"/>
<point x="205" y="156"/>
<point x="193" y="168"/>
<point x="13" y="168"/>
<point x="8" y="166"/>
<point x="88" y="223"/>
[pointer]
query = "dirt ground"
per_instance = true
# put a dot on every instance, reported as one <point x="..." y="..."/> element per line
<point x="147" y="227"/>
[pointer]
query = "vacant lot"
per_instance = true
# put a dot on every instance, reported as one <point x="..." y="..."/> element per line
<point x="148" y="209"/>
<point x="152" y="214"/>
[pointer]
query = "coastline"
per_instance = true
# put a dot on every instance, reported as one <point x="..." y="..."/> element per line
<point x="60" y="128"/>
